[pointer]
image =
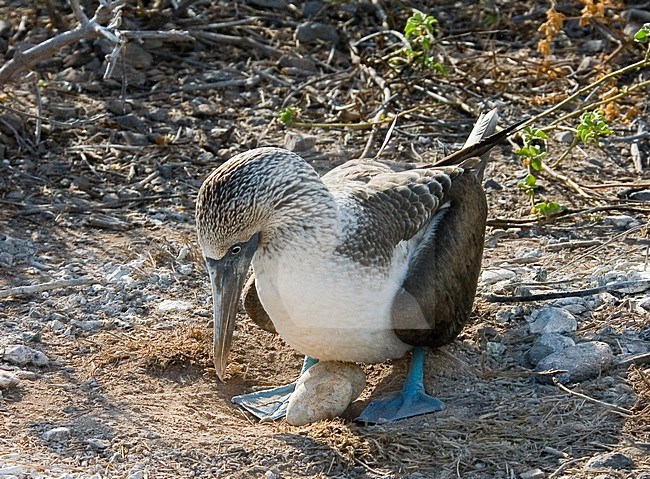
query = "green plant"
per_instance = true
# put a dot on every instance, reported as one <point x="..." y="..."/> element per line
<point x="643" y="35"/>
<point x="592" y="126"/>
<point x="532" y="152"/>
<point x="288" y="114"/>
<point x="419" y="31"/>
<point x="533" y="149"/>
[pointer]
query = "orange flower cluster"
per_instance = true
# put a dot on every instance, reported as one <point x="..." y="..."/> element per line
<point x="551" y="27"/>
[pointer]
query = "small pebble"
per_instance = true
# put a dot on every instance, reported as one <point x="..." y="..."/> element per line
<point x="621" y="222"/>
<point x="533" y="474"/>
<point x="172" y="305"/>
<point x="610" y="460"/>
<point x="564" y="137"/>
<point x="582" y="361"/>
<point x="97" y="444"/>
<point x="8" y="380"/>
<point x="311" y="32"/>
<point x="643" y="195"/>
<point x="57" y="434"/>
<point x="492" y="276"/>
<point x="547" y="344"/>
<point x="298" y="142"/>
<point x="22" y="355"/>
<point x="552" y="320"/>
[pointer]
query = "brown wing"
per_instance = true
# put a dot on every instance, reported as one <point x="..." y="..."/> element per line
<point x="439" y="289"/>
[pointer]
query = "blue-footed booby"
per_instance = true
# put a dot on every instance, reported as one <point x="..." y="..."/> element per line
<point x="362" y="265"/>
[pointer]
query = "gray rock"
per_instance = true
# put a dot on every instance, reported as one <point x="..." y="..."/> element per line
<point x="582" y="361"/>
<point x="564" y="137"/>
<point x="118" y="106"/>
<point x="311" y="7"/>
<point x="643" y="195"/>
<point x="275" y="4"/>
<point x="18" y="354"/>
<point x="173" y="305"/>
<point x="298" y="142"/>
<point x="312" y="32"/>
<point x="11" y="472"/>
<point x="533" y="474"/>
<point x="611" y="460"/>
<point x="97" y="444"/>
<point x="621" y="222"/>
<point x="22" y="355"/>
<point x="593" y="46"/>
<point x="57" y="434"/>
<point x="546" y="344"/>
<point x="552" y="320"/>
<point x="492" y="276"/>
<point x="8" y="380"/>
<point x="131" y="122"/>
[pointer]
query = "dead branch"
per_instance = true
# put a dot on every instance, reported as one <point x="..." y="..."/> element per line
<point x="86" y="30"/>
<point x="39" y="288"/>
<point x="622" y="287"/>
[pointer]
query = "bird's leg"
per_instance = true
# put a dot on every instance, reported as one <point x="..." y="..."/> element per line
<point x="271" y="404"/>
<point x="411" y="401"/>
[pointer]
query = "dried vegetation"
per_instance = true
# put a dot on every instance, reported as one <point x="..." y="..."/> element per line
<point x="100" y="173"/>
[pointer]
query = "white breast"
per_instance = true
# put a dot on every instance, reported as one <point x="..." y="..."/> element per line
<point x="330" y="308"/>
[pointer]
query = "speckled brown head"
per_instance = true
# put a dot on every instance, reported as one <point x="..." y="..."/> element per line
<point x="258" y="199"/>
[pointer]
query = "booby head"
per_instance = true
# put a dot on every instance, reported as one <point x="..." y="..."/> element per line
<point x="257" y="200"/>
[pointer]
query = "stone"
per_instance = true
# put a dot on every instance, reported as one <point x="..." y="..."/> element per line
<point x="57" y="434"/>
<point x="582" y="361"/>
<point x="593" y="46"/>
<point x="8" y="380"/>
<point x="117" y="106"/>
<point x="131" y="122"/>
<point x="533" y="474"/>
<point x="492" y="276"/>
<point x="273" y="4"/>
<point x="173" y="305"/>
<point x="13" y="471"/>
<point x="97" y="444"/>
<point x="621" y="222"/>
<point x="643" y="195"/>
<point x="298" y="142"/>
<point x="546" y="344"/>
<point x="552" y="320"/>
<point x="564" y="137"/>
<point x="22" y="355"/>
<point x="610" y="460"/>
<point x="325" y="391"/>
<point x="312" y="32"/>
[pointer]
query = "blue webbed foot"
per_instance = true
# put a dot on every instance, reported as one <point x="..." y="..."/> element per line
<point x="411" y="401"/>
<point x="399" y="406"/>
<point x="267" y="405"/>
<point x="271" y="404"/>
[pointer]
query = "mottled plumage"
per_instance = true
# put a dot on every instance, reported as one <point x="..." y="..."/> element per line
<point x="360" y="265"/>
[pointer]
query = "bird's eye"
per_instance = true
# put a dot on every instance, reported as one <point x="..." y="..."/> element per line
<point x="235" y="250"/>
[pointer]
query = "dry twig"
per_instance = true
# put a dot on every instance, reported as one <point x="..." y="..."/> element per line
<point x="39" y="288"/>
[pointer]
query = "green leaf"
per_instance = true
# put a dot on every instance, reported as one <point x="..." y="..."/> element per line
<point x="592" y="126"/>
<point x="643" y="35"/>
<point x="546" y="208"/>
<point x="288" y="115"/>
<point x="536" y="162"/>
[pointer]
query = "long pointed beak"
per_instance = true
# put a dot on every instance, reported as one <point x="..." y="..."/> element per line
<point x="227" y="277"/>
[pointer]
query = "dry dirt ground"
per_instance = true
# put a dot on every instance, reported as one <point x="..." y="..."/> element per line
<point x="104" y="189"/>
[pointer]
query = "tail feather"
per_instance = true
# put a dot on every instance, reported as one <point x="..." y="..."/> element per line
<point x="480" y="141"/>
